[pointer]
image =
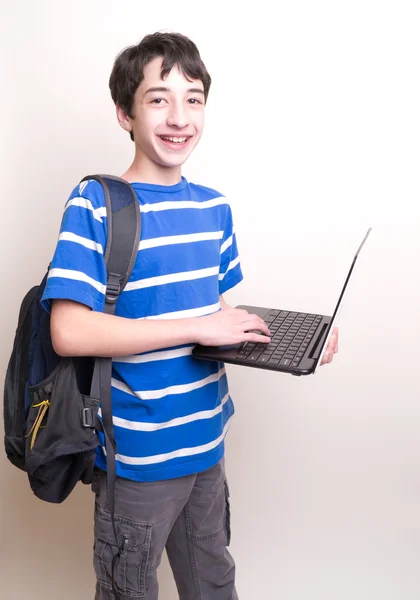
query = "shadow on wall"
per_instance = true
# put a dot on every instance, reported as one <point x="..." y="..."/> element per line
<point x="48" y="546"/>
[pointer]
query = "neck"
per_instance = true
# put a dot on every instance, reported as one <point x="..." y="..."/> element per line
<point x="145" y="171"/>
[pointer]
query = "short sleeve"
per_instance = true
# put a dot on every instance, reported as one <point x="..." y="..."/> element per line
<point x="77" y="271"/>
<point x="230" y="273"/>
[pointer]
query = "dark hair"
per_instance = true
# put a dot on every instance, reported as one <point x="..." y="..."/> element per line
<point x="175" y="49"/>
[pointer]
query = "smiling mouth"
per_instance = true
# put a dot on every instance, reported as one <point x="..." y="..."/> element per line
<point x="174" y="139"/>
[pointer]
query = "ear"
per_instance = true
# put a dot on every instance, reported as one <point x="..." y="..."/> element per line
<point x="123" y="119"/>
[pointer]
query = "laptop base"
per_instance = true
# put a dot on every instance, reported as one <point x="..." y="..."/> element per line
<point x="296" y="342"/>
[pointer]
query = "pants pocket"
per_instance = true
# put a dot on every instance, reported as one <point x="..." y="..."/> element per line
<point x="132" y="563"/>
<point x="227" y="514"/>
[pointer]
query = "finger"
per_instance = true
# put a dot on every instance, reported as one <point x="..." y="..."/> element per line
<point x="254" y="317"/>
<point x="264" y="329"/>
<point x="255" y="337"/>
<point x="335" y="331"/>
<point x="264" y="324"/>
<point x="332" y="345"/>
<point x="256" y="323"/>
<point x="327" y="358"/>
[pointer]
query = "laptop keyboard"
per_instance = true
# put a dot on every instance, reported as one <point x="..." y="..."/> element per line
<point x="291" y="333"/>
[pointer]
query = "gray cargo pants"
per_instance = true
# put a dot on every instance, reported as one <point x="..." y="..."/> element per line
<point x="189" y="516"/>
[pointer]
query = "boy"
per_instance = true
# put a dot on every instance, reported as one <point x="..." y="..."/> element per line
<point x="171" y="412"/>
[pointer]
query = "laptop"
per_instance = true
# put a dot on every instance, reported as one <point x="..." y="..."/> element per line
<point x="298" y="339"/>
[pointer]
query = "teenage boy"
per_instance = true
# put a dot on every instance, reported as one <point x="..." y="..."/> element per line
<point x="171" y="412"/>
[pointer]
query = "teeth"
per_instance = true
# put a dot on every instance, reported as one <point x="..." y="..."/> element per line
<point x="175" y="140"/>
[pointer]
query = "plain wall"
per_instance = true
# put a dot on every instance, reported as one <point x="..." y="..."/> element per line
<point x="313" y="134"/>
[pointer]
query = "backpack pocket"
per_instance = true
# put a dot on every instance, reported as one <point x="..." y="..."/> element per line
<point x="59" y="443"/>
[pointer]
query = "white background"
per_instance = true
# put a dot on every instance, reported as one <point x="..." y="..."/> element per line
<point x="313" y="133"/>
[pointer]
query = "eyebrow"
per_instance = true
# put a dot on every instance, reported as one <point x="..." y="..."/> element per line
<point x="165" y="89"/>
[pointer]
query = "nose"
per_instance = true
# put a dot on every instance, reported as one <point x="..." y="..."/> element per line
<point x="178" y="116"/>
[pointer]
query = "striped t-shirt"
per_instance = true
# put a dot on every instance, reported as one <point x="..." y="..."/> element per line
<point x="171" y="412"/>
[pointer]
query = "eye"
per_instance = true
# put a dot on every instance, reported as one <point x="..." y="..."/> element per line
<point x="157" y="101"/>
<point x="195" y="101"/>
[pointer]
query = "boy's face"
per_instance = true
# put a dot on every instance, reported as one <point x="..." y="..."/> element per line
<point x="168" y="116"/>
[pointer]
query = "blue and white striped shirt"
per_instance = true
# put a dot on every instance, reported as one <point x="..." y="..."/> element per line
<point x="171" y="412"/>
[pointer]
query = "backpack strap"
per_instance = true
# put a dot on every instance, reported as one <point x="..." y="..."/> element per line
<point x="124" y="227"/>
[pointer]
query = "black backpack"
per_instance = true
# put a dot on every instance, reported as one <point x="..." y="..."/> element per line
<point x="51" y="403"/>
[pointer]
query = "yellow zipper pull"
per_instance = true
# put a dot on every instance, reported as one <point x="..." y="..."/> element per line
<point x="42" y="410"/>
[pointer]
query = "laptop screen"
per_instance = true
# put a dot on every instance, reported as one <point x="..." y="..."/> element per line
<point x="341" y="298"/>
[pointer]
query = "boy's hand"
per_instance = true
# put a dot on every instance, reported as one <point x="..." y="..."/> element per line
<point x="231" y="326"/>
<point x="332" y="347"/>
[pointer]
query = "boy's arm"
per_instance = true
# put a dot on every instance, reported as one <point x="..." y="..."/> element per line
<point x="76" y="330"/>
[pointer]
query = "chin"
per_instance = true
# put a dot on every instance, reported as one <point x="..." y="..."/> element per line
<point x="173" y="164"/>
<point x="172" y="159"/>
